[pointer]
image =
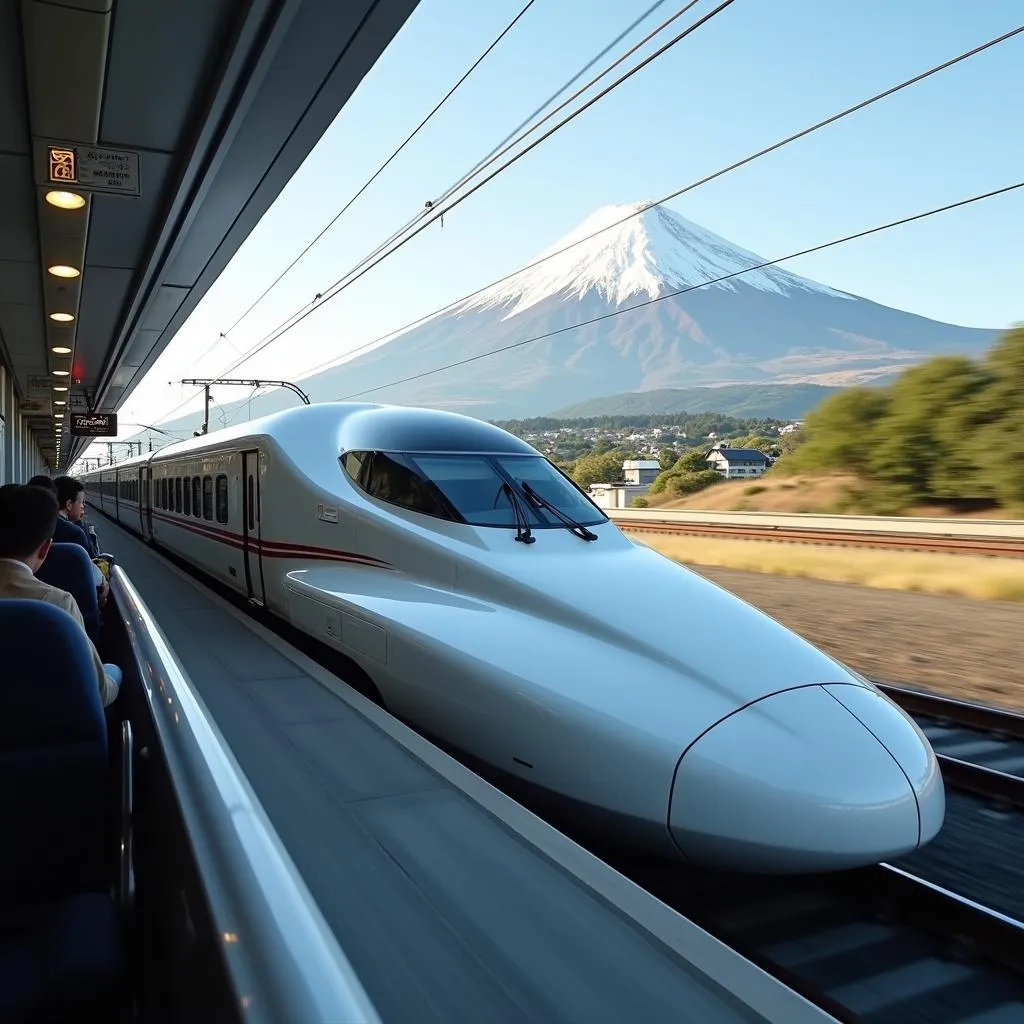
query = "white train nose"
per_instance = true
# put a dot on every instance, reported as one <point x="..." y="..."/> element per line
<point x="804" y="781"/>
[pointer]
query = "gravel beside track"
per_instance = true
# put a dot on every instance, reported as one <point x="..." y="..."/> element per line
<point x="969" y="650"/>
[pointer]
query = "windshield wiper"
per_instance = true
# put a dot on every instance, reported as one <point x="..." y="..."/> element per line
<point x="577" y="529"/>
<point x="523" y="532"/>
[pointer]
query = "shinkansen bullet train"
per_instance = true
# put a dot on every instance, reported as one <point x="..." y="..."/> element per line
<point x="497" y="610"/>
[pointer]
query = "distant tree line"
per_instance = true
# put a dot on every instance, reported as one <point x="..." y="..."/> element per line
<point x="950" y="430"/>
<point x="697" y="425"/>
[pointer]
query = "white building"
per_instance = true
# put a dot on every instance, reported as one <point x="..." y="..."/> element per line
<point x="640" y="471"/>
<point x="737" y="463"/>
<point x="616" y="495"/>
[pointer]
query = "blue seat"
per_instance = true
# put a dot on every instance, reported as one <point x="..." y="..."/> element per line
<point x="55" y="774"/>
<point x="69" y="567"/>
<point x="61" y="954"/>
<point x="61" y="962"/>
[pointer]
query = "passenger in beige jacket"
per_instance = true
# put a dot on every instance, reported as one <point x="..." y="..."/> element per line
<point x="27" y="519"/>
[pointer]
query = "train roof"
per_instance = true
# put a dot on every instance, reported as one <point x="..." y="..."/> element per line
<point x="360" y="427"/>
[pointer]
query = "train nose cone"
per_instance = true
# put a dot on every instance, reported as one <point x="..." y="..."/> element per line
<point x="794" y="782"/>
<point x="900" y="735"/>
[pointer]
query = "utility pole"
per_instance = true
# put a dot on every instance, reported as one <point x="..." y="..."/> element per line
<point x="206" y="384"/>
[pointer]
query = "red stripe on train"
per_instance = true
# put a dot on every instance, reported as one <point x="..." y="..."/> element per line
<point x="272" y="549"/>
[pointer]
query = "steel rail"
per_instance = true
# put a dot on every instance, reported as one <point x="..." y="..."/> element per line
<point x="992" y="548"/>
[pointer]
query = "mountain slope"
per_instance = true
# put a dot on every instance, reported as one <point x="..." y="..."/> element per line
<point x="748" y="401"/>
<point x="765" y="326"/>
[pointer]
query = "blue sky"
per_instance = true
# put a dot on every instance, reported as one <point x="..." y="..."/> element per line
<point x="752" y="75"/>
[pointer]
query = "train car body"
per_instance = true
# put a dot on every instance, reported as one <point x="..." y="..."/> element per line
<point x="497" y="609"/>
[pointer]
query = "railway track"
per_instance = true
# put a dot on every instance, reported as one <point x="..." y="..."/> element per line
<point x="878" y="945"/>
<point x="993" y="547"/>
<point x="980" y="749"/>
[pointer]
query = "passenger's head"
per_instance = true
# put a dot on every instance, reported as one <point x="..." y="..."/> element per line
<point x="70" y="496"/>
<point x="28" y="516"/>
<point x="43" y="481"/>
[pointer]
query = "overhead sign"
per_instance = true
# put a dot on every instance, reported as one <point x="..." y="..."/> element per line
<point x="92" y="168"/>
<point x="36" y="383"/>
<point x="94" y="424"/>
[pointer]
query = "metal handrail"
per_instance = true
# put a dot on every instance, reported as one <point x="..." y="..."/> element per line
<point x="282" y="957"/>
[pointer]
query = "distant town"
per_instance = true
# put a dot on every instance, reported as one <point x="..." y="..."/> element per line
<point x="641" y="437"/>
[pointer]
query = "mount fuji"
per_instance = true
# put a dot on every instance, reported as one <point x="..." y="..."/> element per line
<point x="762" y="326"/>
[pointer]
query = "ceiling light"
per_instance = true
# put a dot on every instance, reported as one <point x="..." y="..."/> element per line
<point x="62" y="270"/>
<point x="58" y="415"/>
<point x="58" y="388"/>
<point x="61" y="350"/>
<point x="65" y="200"/>
<point x="62" y="318"/>
<point x="58" y="401"/>
<point x="62" y="373"/>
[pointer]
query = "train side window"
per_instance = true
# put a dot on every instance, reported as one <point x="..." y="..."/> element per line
<point x="177" y="494"/>
<point x="222" y="499"/>
<point x="196" y="497"/>
<point x="251" y="502"/>
<point x="208" y="497"/>
<point x="186" y="498"/>
<point x="163" y="493"/>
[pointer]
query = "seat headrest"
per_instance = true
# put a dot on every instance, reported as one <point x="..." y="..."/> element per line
<point x="49" y="693"/>
<point x="64" y="556"/>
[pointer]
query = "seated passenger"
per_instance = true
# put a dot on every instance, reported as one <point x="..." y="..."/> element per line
<point x="27" y="519"/>
<point x="71" y="507"/>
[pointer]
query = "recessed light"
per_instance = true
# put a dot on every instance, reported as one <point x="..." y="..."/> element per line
<point x="58" y="388"/>
<point x="62" y="318"/>
<point x="65" y="200"/>
<point x="62" y="373"/>
<point x="61" y="350"/>
<point x="62" y="270"/>
<point x="59" y="401"/>
<point x="58" y="415"/>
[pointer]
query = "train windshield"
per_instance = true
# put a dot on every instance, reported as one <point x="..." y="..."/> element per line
<point x="471" y="488"/>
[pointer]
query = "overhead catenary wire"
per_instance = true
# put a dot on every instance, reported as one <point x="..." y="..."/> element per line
<point x="694" y="287"/>
<point x="350" y="278"/>
<point x="376" y="174"/>
<point x="343" y="282"/>
<point x="510" y="141"/>
<point x="309" y="307"/>
<point x="721" y="172"/>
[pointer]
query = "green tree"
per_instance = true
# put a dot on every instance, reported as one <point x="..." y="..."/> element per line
<point x="840" y="432"/>
<point x="694" y="461"/>
<point x="668" y="457"/>
<point x="599" y="468"/>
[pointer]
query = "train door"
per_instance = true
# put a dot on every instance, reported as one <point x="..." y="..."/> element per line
<point x="138" y="496"/>
<point x="145" y="487"/>
<point x="251" y="529"/>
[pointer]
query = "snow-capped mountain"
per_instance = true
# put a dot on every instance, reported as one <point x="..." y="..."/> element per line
<point x="620" y="252"/>
<point x="764" y="326"/>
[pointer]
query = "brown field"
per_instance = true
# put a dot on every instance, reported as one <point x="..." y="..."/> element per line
<point x="973" y="576"/>
<point x="824" y="493"/>
<point x="970" y="650"/>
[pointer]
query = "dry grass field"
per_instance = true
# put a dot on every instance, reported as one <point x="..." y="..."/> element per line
<point x="824" y="493"/>
<point x="983" y="579"/>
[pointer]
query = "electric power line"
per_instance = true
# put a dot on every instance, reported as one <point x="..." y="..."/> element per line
<point x="892" y="90"/>
<point x="300" y="314"/>
<point x="334" y="220"/>
<point x="349" y="279"/>
<point x="689" y="288"/>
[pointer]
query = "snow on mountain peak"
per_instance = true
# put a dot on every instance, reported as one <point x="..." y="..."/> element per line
<point x="653" y="251"/>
